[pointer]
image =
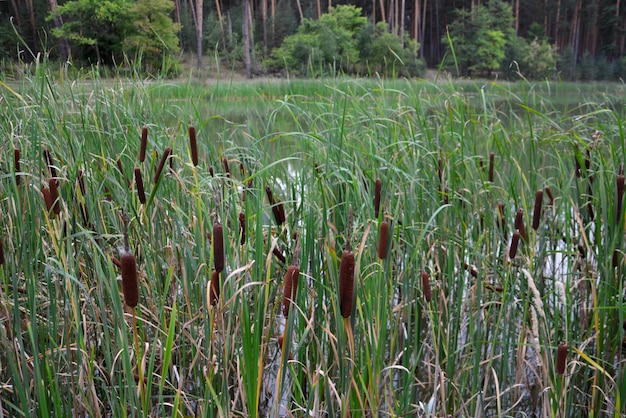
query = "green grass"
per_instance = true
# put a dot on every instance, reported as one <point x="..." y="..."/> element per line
<point x="485" y="344"/>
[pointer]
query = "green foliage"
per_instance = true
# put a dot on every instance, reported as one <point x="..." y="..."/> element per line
<point x="566" y="64"/>
<point x="586" y="68"/>
<point x="534" y="60"/>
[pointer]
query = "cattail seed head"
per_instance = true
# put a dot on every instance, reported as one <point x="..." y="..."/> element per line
<point x="550" y="195"/>
<point x="166" y="154"/>
<point x="491" y="165"/>
<point x="501" y="220"/>
<point x="279" y="254"/>
<point x="193" y="146"/>
<point x="50" y="162"/>
<point x="16" y="163"/>
<point x="426" y="286"/>
<point x="620" y="197"/>
<point x="139" y="184"/>
<point x="144" y="144"/>
<point x="514" y="245"/>
<point x="561" y="358"/>
<point x="54" y="196"/>
<point x="377" y="192"/>
<point x="537" y="209"/>
<point x="214" y="295"/>
<point x="346" y="283"/>
<point x="242" y="228"/>
<point x="291" y="287"/>
<point x="211" y="171"/>
<point x="519" y="224"/>
<point x="1" y="253"/>
<point x="277" y="207"/>
<point x="47" y="199"/>
<point x="226" y="166"/>
<point x="129" y="278"/>
<point x="383" y="240"/>
<point x="218" y="247"/>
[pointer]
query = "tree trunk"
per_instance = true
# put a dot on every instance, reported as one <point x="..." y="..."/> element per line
<point x="415" y="33"/>
<point x="177" y="15"/>
<point x="64" y="46"/>
<point x="402" y="9"/>
<point x="592" y="34"/>
<point x="382" y="11"/>
<point x="516" y="9"/>
<point x="199" y="26"/>
<point x="264" y="17"/>
<point x="299" y="10"/>
<point x="16" y="15"/>
<point x="559" y="45"/>
<point x="33" y="25"/>
<point x="575" y="34"/>
<point x="245" y="29"/>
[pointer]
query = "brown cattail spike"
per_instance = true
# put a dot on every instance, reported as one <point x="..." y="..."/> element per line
<point x="47" y="199"/>
<point x="16" y="163"/>
<point x="279" y="254"/>
<point x="346" y="283"/>
<point x="218" y="247"/>
<point x="377" y="192"/>
<point x="166" y="154"/>
<point x="242" y="228"/>
<point x="291" y="287"/>
<point x="383" y="240"/>
<point x="550" y="195"/>
<point x="193" y="145"/>
<point x="277" y="207"/>
<point x="54" y="196"/>
<point x="144" y="144"/>
<point x="561" y="358"/>
<point x="426" y="286"/>
<point x="211" y="171"/>
<point x="514" y="245"/>
<point x="53" y="171"/>
<point x="501" y="220"/>
<point x="620" y="197"/>
<point x="214" y="295"/>
<point x="226" y="166"/>
<point x="1" y="253"/>
<point x="491" y="164"/>
<point x="129" y="279"/>
<point x="537" y="209"/>
<point x="519" y="224"/>
<point x="139" y="184"/>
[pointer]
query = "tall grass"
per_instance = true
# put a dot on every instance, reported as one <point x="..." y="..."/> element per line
<point x="443" y="319"/>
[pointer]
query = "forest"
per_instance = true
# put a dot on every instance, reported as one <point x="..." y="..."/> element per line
<point x="536" y="39"/>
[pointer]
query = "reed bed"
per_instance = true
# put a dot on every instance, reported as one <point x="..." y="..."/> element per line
<point x="414" y="287"/>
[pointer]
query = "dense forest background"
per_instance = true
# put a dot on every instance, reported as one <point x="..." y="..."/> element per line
<point x="566" y="39"/>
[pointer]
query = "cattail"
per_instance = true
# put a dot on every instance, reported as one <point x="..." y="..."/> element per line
<point x="139" y="183"/>
<point x="214" y="295"/>
<point x="620" y="196"/>
<point x="291" y="287"/>
<point x="81" y="183"/>
<point x="242" y="228"/>
<point x="211" y="171"/>
<point x="277" y="207"/>
<point x="550" y="195"/>
<point x="279" y="254"/>
<point x="537" y="209"/>
<point x="16" y="161"/>
<point x="491" y="164"/>
<point x="242" y="169"/>
<point x="346" y="282"/>
<point x="129" y="278"/>
<point x="119" y="166"/>
<point x="193" y="146"/>
<point x="281" y="341"/>
<point x="561" y="358"/>
<point x="615" y="259"/>
<point x="620" y="169"/>
<point x="472" y="269"/>
<point x="54" y="196"/>
<point x="426" y="286"/>
<point x="514" y="244"/>
<point x="107" y="194"/>
<point x="377" y="191"/>
<point x="47" y="199"/>
<point x="501" y="220"/>
<point x="144" y="144"/>
<point x="159" y="169"/>
<point x="226" y="166"/>
<point x="53" y="171"/>
<point x="383" y="240"/>
<point x="1" y="253"/>
<point x="218" y="246"/>
<point x="519" y="224"/>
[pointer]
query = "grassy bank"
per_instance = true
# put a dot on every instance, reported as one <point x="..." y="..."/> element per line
<point x="446" y="317"/>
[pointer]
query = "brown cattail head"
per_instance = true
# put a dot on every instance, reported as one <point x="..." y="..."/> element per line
<point x="519" y="224"/>
<point x="537" y="209"/>
<point x="211" y="171"/>
<point x="16" y="163"/>
<point x="561" y="358"/>
<point x="166" y="154"/>
<point x="291" y="287"/>
<point x="242" y="228"/>
<point x="346" y="283"/>
<point x="242" y="169"/>
<point x="50" y="162"/>
<point x="277" y="206"/>
<point x="54" y="196"/>
<point x="279" y="254"/>
<point x="514" y="244"/>
<point x="491" y="164"/>
<point x="226" y="166"/>
<point x="383" y="240"/>
<point x="48" y="199"/>
<point x="1" y="253"/>
<point x="214" y="292"/>
<point x="378" y="186"/>
<point x="426" y="286"/>
<point x="129" y="278"/>
<point x="218" y="246"/>
<point x="139" y="184"/>
<point x="616" y="257"/>
<point x="193" y="146"/>
<point x="550" y="195"/>
<point x="144" y="144"/>
<point x="501" y="220"/>
<point x="620" y="197"/>
<point x="577" y="168"/>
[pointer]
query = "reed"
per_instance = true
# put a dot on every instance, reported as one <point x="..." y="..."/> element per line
<point x="218" y="246"/>
<point x="193" y="146"/>
<point x="290" y="288"/>
<point x="143" y="145"/>
<point x="214" y="294"/>
<point x="537" y="209"/>
<point x="157" y="173"/>
<point x="139" y="184"/>
<point x="383" y="240"/>
<point x="377" y="192"/>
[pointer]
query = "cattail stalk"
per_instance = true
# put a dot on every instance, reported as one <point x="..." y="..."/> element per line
<point x="218" y="246"/>
<point x="144" y="144"/>
<point x="16" y="162"/>
<point x="514" y="245"/>
<point x="139" y="183"/>
<point x="561" y="358"/>
<point x="377" y="192"/>
<point x="164" y="158"/>
<point x="193" y="146"/>
<point x="537" y="209"/>
<point x="383" y="240"/>
<point x="291" y="287"/>
<point x="214" y="295"/>
<point x="426" y="286"/>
